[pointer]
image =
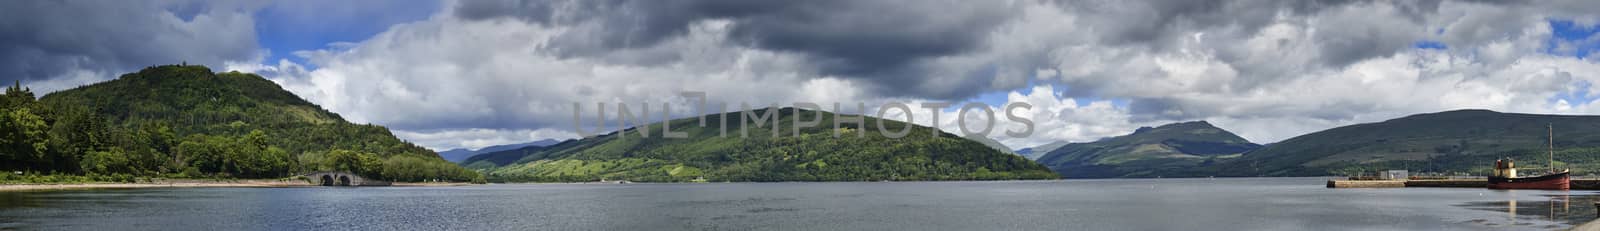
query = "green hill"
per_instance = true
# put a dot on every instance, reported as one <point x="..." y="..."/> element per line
<point x="187" y="121"/>
<point x="1181" y="149"/>
<point x="861" y="153"/>
<point x="1465" y="141"/>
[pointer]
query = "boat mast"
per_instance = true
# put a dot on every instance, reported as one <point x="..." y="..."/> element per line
<point x="1552" y="162"/>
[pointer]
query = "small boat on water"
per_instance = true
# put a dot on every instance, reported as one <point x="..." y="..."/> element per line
<point x="1505" y="174"/>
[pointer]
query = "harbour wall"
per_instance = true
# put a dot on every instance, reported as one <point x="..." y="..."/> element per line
<point x="1577" y="184"/>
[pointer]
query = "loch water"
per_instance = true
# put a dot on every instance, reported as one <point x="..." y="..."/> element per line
<point x="1110" y="204"/>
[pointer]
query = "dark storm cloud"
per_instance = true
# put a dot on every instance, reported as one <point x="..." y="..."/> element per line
<point x="615" y="24"/>
<point x="863" y="37"/>
<point x="854" y="39"/>
<point x="885" y="41"/>
<point x="45" y="39"/>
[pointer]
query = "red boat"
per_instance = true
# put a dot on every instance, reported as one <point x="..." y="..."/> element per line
<point x="1552" y="181"/>
<point x="1505" y="174"/>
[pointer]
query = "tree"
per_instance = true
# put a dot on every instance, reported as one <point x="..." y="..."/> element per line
<point x="18" y="97"/>
<point x="360" y="163"/>
<point x="75" y="132"/>
<point x="111" y="161"/>
<point x="23" y="138"/>
<point x="203" y="153"/>
<point x="161" y="144"/>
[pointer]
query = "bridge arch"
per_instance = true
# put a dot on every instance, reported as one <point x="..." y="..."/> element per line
<point x="341" y="179"/>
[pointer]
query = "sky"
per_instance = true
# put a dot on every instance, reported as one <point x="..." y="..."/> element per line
<point x="470" y="74"/>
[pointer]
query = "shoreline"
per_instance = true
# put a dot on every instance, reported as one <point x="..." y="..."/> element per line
<point x="158" y="184"/>
<point x="189" y="183"/>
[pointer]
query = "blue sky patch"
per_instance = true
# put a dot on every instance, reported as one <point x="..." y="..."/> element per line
<point x="1569" y="38"/>
<point x="1426" y="44"/>
<point x="290" y="26"/>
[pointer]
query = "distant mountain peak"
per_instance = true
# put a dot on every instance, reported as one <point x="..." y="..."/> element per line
<point x="1176" y="146"/>
<point x="460" y="155"/>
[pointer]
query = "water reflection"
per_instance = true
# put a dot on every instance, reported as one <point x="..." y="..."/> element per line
<point x="1573" y="208"/>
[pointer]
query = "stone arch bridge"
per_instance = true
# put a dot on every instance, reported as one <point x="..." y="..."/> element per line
<point x="342" y="179"/>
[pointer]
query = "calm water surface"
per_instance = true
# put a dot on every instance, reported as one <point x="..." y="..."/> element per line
<point x="1124" y="204"/>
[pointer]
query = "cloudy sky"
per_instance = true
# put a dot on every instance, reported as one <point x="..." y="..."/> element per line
<point x="456" y="74"/>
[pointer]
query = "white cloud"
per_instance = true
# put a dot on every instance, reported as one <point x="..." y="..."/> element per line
<point x="1267" y="70"/>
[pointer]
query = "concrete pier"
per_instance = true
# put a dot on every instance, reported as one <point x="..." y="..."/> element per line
<point x="1577" y="184"/>
<point x="1451" y="183"/>
<point x="1366" y="183"/>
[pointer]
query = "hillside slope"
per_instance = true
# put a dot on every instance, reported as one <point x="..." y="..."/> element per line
<point x="1180" y="149"/>
<point x="861" y="153"/>
<point x="1033" y="153"/>
<point x="1465" y="141"/>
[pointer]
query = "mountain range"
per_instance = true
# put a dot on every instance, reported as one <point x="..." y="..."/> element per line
<point x="461" y="154"/>
<point x="1444" y="142"/>
<point x="1461" y="141"/>
<point x="1450" y="142"/>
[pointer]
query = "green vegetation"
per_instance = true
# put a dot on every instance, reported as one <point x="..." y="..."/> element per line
<point x="1173" y="150"/>
<point x="860" y="153"/>
<point x="185" y="122"/>
<point x="1464" y="141"/>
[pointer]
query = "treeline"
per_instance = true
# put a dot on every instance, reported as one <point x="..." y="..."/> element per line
<point x="186" y="122"/>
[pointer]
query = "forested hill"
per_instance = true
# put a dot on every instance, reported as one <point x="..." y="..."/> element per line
<point x="1172" y="150"/>
<point x="860" y="153"/>
<point x="187" y="121"/>
<point x="1463" y="141"/>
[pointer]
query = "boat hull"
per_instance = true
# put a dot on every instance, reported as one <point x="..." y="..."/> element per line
<point x="1558" y="181"/>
